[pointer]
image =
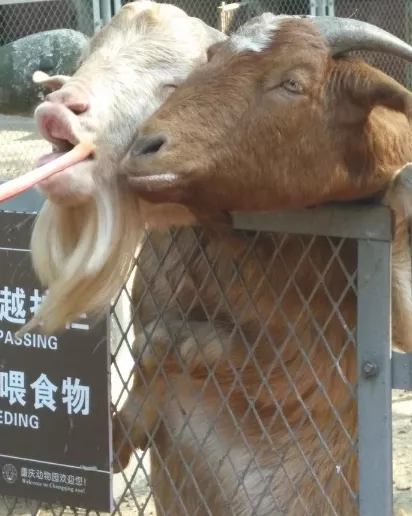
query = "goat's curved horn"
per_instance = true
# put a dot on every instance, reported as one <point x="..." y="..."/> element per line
<point x="347" y="34"/>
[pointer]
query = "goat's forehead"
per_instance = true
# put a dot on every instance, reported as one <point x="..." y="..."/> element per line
<point x="257" y="34"/>
<point x="179" y="40"/>
<point x="145" y="18"/>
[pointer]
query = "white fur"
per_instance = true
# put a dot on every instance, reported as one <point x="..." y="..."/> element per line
<point x="84" y="256"/>
<point x="256" y="35"/>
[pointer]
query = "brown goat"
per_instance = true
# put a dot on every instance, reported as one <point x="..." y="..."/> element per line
<point x="277" y="119"/>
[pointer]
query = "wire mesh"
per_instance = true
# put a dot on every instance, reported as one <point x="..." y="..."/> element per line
<point x="242" y="388"/>
<point x="220" y="351"/>
<point x="22" y="19"/>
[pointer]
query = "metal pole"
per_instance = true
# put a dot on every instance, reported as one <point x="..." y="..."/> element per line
<point x="321" y="7"/>
<point x="374" y="378"/>
<point x="313" y="7"/>
<point x="324" y="8"/>
<point x="106" y="11"/>
<point x="331" y="7"/>
<point x="97" y="18"/>
<point x="117" y="6"/>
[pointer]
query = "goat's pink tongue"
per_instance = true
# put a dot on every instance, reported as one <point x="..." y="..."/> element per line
<point x="52" y="163"/>
<point x="47" y="158"/>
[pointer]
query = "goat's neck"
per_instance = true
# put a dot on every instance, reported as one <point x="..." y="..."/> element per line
<point x="390" y="139"/>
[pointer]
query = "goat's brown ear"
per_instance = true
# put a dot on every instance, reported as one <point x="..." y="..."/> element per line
<point x="366" y="87"/>
<point x="211" y="51"/>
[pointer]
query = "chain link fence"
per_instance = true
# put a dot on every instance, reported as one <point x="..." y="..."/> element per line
<point x="224" y="338"/>
<point x="291" y="423"/>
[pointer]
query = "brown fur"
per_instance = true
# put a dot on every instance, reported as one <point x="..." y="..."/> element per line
<point x="344" y="104"/>
<point x="233" y="144"/>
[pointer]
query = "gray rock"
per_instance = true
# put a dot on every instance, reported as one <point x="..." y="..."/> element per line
<point x="54" y="52"/>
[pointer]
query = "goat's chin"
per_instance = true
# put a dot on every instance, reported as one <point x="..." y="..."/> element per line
<point x="83" y="255"/>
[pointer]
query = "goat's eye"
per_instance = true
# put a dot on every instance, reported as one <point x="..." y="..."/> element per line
<point x="292" y="86"/>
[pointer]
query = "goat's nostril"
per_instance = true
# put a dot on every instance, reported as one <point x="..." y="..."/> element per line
<point x="73" y="102"/>
<point x="148" y="145"/>
<point x="77" y="107"/>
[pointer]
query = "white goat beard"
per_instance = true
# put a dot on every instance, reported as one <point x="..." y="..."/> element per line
<point x="84" y="255"/>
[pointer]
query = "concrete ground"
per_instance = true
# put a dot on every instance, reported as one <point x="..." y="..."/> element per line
<point x="20" y="146"/>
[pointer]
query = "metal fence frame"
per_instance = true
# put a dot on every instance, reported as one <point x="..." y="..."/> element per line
<point x="379" y="369"/>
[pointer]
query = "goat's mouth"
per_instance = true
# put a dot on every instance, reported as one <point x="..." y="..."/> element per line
<point x="71" y="184"/>
<point x="60" y="147"/>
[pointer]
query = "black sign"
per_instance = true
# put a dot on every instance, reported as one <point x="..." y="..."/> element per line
<point x="55" y="434"/>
